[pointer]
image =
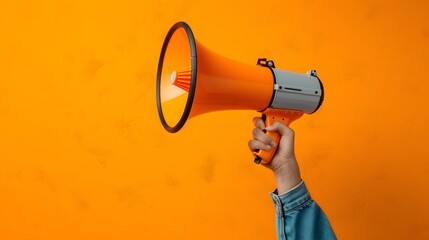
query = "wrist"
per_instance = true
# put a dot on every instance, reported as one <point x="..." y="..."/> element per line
<point x="287" y="176"/>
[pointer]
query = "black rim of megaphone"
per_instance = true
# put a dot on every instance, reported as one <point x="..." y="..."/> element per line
<point x="191" y="93"/>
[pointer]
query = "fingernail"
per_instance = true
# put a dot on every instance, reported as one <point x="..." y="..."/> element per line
<point x="268" y="146"/>
<point x="273" y="143"/>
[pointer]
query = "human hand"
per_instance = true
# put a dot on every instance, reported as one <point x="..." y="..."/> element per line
<point x="283" y="164"/>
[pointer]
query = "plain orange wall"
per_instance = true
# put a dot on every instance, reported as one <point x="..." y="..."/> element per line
<point x="83" y="155"/>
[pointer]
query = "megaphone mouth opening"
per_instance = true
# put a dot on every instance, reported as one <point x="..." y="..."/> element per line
<point x="176" y="126"/>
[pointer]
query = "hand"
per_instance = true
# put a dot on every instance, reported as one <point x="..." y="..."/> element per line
<point x="283" y="164"/>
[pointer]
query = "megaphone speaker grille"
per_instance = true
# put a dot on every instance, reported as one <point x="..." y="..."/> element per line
<point x="176" y="77"/>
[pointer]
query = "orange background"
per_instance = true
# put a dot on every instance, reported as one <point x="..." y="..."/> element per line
<point x="83" y="155"/>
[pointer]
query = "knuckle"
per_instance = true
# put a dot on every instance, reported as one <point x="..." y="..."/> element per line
<point x="289" y="132"/>
<point x="255" y="132"/>
<point x="255" y="120"/>
<point x="252" y="144"/>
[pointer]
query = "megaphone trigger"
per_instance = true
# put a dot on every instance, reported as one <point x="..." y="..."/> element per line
<point x="271" y="116"/>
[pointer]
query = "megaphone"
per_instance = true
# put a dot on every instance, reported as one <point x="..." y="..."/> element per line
<point x="193" y="80"/>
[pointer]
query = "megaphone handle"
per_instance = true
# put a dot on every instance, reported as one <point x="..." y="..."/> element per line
<point x="271" y="116"/>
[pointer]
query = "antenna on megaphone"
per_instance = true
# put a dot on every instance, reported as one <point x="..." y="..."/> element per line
<point x="193" y="80"/>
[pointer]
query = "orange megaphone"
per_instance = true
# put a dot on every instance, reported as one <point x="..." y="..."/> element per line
<point x="192" y="80"/>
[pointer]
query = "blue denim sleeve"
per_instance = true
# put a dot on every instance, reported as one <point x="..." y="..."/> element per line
<point x="299" y="217"/>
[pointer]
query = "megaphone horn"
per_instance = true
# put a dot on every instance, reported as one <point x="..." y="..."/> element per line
<point x="193" y="80"/>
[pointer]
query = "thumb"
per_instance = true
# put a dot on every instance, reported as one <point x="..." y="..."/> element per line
<point x="281" y="129"/>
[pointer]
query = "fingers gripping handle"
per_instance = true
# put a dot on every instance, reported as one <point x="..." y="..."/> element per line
<point x="265" y="156"/>
<point x="271" y="116"/>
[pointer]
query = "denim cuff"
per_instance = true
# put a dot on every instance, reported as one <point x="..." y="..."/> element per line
<point x="291" y="200"/>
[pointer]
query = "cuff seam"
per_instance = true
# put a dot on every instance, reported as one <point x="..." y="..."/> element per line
<point x="305" y="202"/>
<point x="290" y="190"/>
